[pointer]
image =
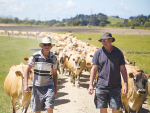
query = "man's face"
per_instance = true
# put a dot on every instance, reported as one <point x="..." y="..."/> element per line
<point x="46" y="46"/>
<point x="106" y="42"/>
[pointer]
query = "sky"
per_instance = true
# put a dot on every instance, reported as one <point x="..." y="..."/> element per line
<point x="46" y="10"/>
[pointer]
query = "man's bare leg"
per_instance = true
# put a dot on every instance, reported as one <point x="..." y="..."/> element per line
<point x="115" y="111"/>
<point x="49" y="110"/>
<point x="103" y="110"/>
<point x="38" y="112"/>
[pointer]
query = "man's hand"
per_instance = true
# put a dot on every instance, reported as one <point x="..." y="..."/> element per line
<point x="125" y="89"/>
<point x="90" y="90"/>
<point x="26" y="89"/>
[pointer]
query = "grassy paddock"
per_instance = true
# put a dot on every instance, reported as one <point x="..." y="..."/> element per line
<point x="13" y="50"/>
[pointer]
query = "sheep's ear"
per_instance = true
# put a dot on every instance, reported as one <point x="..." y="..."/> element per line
<point x="91" y="55"/>
<point x="26" y="59"/>
<point x="148" y="76"/>
<point x="131" y="75"/>
<point x="18" y="73"/>
<point x="140" y="71"/>
<point x="88" y="64"/>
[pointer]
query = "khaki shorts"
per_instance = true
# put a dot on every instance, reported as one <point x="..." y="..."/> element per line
<point x="42" y="98"/>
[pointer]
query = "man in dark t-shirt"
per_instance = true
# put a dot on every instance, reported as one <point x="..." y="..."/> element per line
<point x="109" y="62"/>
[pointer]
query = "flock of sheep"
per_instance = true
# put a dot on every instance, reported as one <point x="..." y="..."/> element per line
<point x="72" y="54"/>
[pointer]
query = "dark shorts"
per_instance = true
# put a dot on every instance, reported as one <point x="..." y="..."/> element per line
<point x="105" y="96"/>
<point x="42" y="98"/>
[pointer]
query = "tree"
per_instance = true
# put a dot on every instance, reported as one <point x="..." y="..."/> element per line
<point x="101" y="24"/>
<point x="33" y="21"/>
<point x="47" y="23"/>
<point x="131" y="17"/>
<point x="148" y="19"/>
<point x="61" y="24"/>
<point x="75" y="23"/>
<point x="136" y="24"/>
<point x="116" y="16"/>
<point x="147" y="24"/>
<point x="95" y="20"/>
<point x="6" y="20"/>
<point x="16" y="20"/>
<point x="69" y="23"/>
<point x="84" y="23"/>
<point x="64" y="20"/>
<point x="28" y="22"/>
<point x="52" y="22"/>
<point x="38" y="22"/>
<point x="141" y="20"/>
<point x="19" y="21"/>
<point x="125" y="21"/>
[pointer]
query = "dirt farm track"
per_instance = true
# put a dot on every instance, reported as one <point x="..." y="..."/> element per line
<point x="75" y="29"/>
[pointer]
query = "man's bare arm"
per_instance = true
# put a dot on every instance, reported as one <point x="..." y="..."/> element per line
<point x="26" y="75"/>
<point x="92" y="76"/>
<point x="55" y="80"/>
<point x="125" y="78"/>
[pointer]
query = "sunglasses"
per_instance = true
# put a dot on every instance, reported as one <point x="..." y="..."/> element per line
<point x="46" y="44"/>
<point x="105" y="40"/>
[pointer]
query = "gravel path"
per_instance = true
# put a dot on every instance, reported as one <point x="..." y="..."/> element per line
<point x="72" y="99"/>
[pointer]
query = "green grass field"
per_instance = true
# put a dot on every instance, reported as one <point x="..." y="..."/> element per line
<point x="13" y="50"/>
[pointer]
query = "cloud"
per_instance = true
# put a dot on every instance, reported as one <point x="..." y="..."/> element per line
<point x="46" y="6"/>
<point x="25" y="4"/>
<point x="46" y="9"/>
<point x="57" y="10"/>
<point x="70" y="4"/>
<point x="13" y="6"/>
<point x="16" y="9"/>
<point x="58" y="7"/>
<point x="122" y="7"/>
<point x="7" y="1"/>
<point x="2" y="1"/>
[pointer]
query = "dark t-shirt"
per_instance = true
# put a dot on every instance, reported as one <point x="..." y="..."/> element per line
<point x="108" y="67"/>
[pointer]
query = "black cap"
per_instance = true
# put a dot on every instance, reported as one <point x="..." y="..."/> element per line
<point x="106" y="35"/>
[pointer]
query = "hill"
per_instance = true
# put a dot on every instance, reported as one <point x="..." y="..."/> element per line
<point x="114" y="20"/>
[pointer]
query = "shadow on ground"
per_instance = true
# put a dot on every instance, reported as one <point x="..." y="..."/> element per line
<point x="61" y="101"/>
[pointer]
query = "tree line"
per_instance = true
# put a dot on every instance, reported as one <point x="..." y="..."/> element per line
<point x="140" y="20"/>
<point x="99" y="19"/>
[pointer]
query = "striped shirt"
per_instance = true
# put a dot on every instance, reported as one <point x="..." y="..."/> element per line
<point x="43" y="68"/>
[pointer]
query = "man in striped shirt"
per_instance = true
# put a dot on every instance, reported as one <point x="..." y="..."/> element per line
<point x="45" y="78"/>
